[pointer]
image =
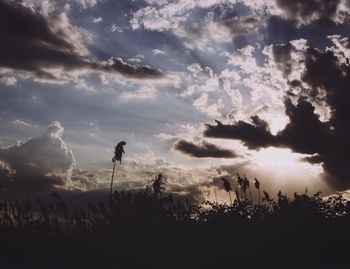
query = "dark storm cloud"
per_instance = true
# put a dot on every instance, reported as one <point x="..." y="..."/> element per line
<point x="304" y="11"/>
<point x="40" y="163"/>
<point x="327" y="141"/>
<point x="203" y="150"/>
<point x="254" y="135"/>
<point x="305" y="133"/>
<point x="29" y="43"/>
<point x="324" y="72"/>
<point x="281" y="31"/>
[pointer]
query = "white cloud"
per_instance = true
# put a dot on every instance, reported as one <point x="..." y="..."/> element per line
<point x="300" y="44"/>
<point x="9" y="81"/>
<point x="44" y="6"/>
<point x="236" y="96"/>
<point x="205" y="33"/>
<point x="104" y="80"/>
<point x="341" y="47"/>
<point x="158" y="52"/>
<point x="145" y="92"/>
<point x="86" y="3"/>
<point x="61" y="24"/>
<point x="244" y="59"/>
<point x="137" y="59"/>
<point x="39" y="163"/>
<point x="202" y="104"/>
<point x="116" y="28"/>
<point x="97" y="20"/>
<point x="170" y="14"/>
<point x="23" y="123"/>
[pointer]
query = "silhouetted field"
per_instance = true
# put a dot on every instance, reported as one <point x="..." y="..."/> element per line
<point x="151" y="229"/>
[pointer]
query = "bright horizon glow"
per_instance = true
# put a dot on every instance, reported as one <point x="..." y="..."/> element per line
<point x="284" y="170"/>
<point x="283" y="161"/>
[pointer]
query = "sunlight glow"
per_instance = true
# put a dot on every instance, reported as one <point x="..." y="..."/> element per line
<point x="277" y="158"/>
<point x="277" y="123"/>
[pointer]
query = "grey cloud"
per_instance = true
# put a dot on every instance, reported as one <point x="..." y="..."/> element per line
<point x="282" y="57"/>
<point x="30" y="44"/>
<point x="242" y="25"/>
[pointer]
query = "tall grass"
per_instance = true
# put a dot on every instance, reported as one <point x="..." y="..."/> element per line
<point x="147" y="206"/>
<point x="143" y="229"/>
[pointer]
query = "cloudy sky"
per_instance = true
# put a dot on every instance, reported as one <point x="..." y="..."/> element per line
<point x="197" y="89"/>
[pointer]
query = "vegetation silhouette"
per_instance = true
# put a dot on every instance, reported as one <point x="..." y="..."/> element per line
<point x="257" y="186"/>
<point x="152" y="227"/>
<point x="118" y="154"/>
<point x="227" y="187"/>
<point x="157" y="185"/>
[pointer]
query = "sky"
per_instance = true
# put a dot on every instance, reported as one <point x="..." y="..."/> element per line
<point x="199" y="90"/>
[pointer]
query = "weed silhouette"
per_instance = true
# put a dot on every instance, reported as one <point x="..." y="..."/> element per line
<point x="118" y="154"/>
<point x="146" y="228"/>
<point x="227" y="187"/>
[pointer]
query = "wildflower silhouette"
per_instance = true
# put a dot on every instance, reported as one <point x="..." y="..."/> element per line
<point x="237" y="195"/>
<point x="240" y="182"/>
<point x="118" y="154"/>
<point x="227" y="187"/>
<point x="247" y="185"/>
<point x="157" y="185"/>
<point x="257" y="186"/>
<point x="266" y="197"/>
<point x="119" y="151"/>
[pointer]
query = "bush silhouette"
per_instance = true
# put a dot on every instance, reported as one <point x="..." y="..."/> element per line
<point x="146" y="229"/>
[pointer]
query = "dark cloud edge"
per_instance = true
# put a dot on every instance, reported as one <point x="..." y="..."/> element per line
<point x="327" y="142"/>
<point x="29" y="44"/>
<point x="203" y="150"/>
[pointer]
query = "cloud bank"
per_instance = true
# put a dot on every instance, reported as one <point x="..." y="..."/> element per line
<point x="48" y="46"/>
<point x="41" y="163"/>
<point x="324" y="81"/>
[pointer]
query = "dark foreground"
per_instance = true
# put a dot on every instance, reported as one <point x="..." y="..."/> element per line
<point x="182" y="246"/>
<point x="145" y="231"/>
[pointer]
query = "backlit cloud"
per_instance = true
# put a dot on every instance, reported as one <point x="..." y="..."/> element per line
<point x="40" y="163"/>
<point x="49" y="47"/>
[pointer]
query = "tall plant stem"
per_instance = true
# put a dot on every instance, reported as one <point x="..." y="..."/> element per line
<point x="229" y="193"/>
<point x="250" y="194"/>
<point x="111" y="189"/>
